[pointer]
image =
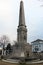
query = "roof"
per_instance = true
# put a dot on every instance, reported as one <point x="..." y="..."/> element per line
<point x="38" y="40"/>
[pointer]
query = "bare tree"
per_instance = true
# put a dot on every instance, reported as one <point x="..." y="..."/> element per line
<point x="4" y="40"/>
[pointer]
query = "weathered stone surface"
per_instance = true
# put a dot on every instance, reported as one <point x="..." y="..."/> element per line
<point x="22" y="30"/>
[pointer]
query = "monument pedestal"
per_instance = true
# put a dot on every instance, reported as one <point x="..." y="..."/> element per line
<point x="22" y="54"/>
<point x="22" y="57"/>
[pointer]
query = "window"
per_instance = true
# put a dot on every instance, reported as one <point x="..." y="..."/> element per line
<point x="39" y="45"/>
<point x="36" y="48"/>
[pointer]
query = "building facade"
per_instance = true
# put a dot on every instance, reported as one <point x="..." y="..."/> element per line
<point x="37" y="46"/>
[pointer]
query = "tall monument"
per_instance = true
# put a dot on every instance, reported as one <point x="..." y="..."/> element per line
<point x="22" y="30"/>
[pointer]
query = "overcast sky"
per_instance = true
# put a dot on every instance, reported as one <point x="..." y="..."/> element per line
<point x="9" y="18"/>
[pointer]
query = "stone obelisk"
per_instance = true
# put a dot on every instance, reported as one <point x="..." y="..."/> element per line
<point x="22" y="30"/>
